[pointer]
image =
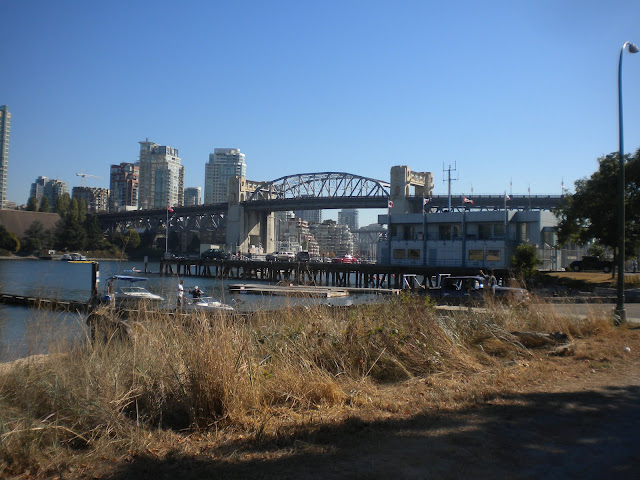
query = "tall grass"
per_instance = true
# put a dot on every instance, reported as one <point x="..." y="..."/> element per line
<point x="190" y="373"/>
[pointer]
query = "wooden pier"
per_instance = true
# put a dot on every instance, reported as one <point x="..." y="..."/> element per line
<point x="359" y="275"/>
<point x="45" y="303"/>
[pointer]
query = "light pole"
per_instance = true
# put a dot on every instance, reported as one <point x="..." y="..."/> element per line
<point x="620" y="310"/>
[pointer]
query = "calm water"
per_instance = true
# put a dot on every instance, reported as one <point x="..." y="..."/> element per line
<point x="20" y="326"/>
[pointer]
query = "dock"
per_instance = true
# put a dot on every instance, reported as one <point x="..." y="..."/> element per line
<point x="289" y="290"/>
<point x="45" y="303"/>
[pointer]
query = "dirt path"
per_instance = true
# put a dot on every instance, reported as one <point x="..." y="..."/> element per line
<point x="581" y="420"/>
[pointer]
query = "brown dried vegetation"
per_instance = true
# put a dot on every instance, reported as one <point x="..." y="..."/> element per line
<point x="187" y="386"/>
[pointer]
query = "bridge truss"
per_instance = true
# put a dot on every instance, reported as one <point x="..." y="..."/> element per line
<point x="320" y="186"/>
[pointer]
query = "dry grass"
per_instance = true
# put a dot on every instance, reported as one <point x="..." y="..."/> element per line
<point x="172" y="379"/>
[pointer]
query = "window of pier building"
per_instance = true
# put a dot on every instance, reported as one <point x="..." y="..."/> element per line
<point x="413" y="253"/>
<point x="399" y="253"/>
<point x="476" y="255"/>
<point x="490" y="230"/>
<point x="408" y="232"/>
<point x="493" y="255"/>
<point x="448" y="231"/>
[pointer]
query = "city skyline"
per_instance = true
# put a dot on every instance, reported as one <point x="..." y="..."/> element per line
<point x="519" y="97"/>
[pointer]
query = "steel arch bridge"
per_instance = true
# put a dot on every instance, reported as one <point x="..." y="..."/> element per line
<point x="321" y="186"/>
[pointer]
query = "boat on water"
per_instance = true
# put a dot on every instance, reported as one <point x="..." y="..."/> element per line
<point x="73" y="257"/>
<point x="206" y="304"/>
<point x="131" y="294"/>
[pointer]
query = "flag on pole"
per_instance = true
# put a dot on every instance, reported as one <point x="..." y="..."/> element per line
<point x="467" y="200"/>
<point x="507" y="198"/>
<point x="169" y="208"/>
<point x="425" y="200"/>
<point x="390" y="204"/>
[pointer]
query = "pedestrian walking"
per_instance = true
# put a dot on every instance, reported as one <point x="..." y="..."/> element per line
<point x="180" y="294"/>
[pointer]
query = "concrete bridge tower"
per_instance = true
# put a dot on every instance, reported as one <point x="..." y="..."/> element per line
<point x="401" y="181"/>
<point x="247" y="229"/>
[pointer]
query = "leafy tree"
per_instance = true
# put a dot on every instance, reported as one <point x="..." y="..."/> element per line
<point x="130" y="240"/>
<point x="32" y="204"/>
<point x="70" y="233"/>
<point x="62" y="204"/>
<point x="591" y="212"/>
<point x="96" y="239"/>
<point x="35" y="238"/>
<point x="44" y="205"/>
<point x="525" y="260"/>
<point x="8" y="240"/>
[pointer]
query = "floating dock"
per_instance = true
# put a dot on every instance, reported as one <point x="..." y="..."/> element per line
<point x="289" y="290"/>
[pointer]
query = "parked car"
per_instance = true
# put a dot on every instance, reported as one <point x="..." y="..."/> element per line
<point x="345" y="259"/>
<point x="591" y="262"/>
<point x="213" y="254"/>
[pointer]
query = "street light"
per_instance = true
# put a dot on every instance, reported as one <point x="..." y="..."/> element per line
<point x="620" y="311"/>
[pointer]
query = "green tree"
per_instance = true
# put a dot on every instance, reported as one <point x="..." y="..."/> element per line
<point x="8" y="240"/>
<point x="525" y="260"/>
<point x="70" y="233"/>
<point x="35" y="238"/>
<point x="96" y="239"/>
<point x="62" y="204"/>
<point x="44" y="205"/>
<point x="591" y="212"/>
<point x="130" y="240"/>
<point x="32" y="204"/>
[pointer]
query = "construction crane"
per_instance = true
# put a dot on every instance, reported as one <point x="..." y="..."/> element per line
<point x="85" y="175"/>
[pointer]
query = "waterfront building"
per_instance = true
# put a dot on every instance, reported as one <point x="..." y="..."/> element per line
<point x="349" y="217"/>
<point x="161" y="176"/>
<point x="333" y="238"/>
<point x="224" y="164"/>
<point x="5" y="129"/>
<point x="95" y="199"/>
<point x="124" y="184"/>
<point x="192" y="196"/>
<point x="462" y="235"/>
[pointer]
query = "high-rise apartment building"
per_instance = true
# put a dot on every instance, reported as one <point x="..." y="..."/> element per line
<point x="192" y="196"/>
<point x="224" y="163"/>
<point x="95" y="199"/>
<point x="124" y="185"/>
<point x="37" y="188"/>
<point x="349" y="217"/>
<point x="161" y="176"/>
<point x="5" y="128"/>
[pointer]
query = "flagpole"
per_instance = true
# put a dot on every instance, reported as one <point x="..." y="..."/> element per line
<point x="166" y="236"/>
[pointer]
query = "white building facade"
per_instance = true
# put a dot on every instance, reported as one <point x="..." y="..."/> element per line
<point x="5" y="129"/>
<point x="161" y="176"/>
<point x="224" y="164"/>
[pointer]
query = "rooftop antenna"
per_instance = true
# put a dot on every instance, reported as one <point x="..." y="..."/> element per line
<point x="449" y="180"/>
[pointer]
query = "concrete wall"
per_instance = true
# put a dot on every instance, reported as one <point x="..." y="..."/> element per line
<point x="17" y="221"/>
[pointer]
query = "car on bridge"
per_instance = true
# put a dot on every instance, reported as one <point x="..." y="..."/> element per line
<point x="345" y="259"/>
<point x="213" y="254"/>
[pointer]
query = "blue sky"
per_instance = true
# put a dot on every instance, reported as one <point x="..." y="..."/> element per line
<point x="507" y="91"/>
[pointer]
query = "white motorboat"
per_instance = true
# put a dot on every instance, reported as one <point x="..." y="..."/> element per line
<point x="130" y="295"/>
<point x="206" y="304"/>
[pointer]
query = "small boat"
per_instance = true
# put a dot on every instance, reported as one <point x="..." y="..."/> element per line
<point x="132" y="271"/>
<point x="130" y="295"/>
<point x="206" y="304"/>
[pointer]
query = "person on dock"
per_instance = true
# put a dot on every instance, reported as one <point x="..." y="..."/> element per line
<point x="196" y="292"/>
<point x="180" y="294"/>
